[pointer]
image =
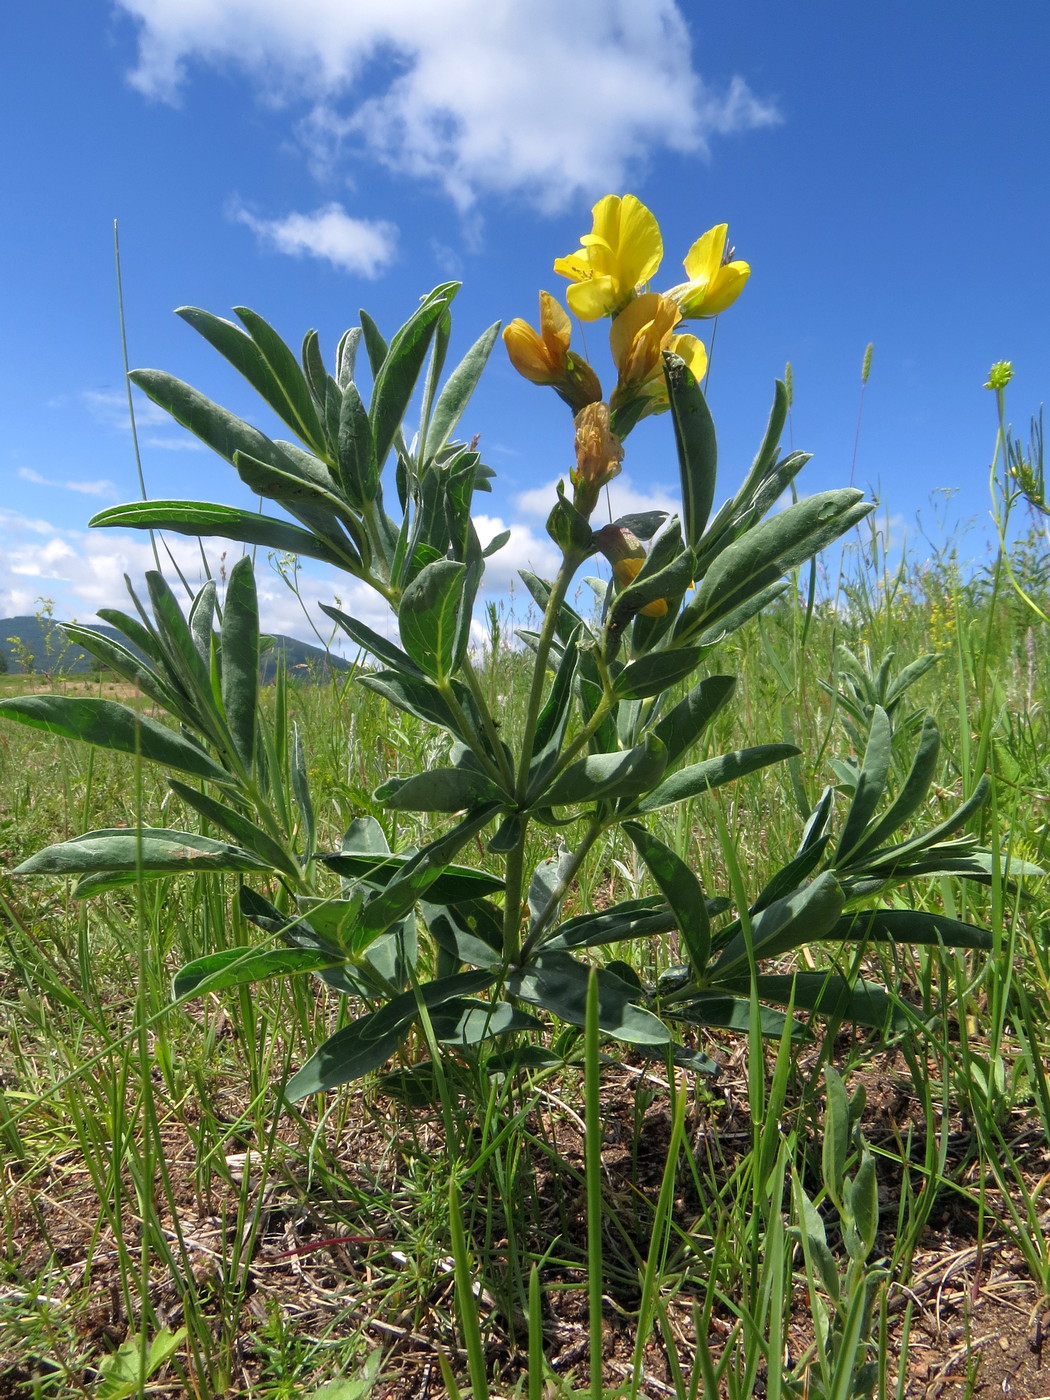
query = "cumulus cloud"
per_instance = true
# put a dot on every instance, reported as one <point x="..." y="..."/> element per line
<point x="476" y="96"/>
<point x="103" y="487"/>
<point x="359" y="246"/>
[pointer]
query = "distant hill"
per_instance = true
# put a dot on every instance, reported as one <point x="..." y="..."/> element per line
<point x="53" y="654"/>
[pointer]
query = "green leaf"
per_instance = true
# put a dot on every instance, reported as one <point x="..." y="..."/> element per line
<point x="655" y="673"/>
<point x="910" y="798"/>
<point x="155" y="849"/>
<point x="227" y="522"/>
<point x="127" y="665"/>
<point x="301" y="412"/>
<point x="358" y="466"/>
<point x="870" y="785"/>
<point x="862" y="1195"/>
<point x="836" y="997"/>
<point x="417" y="697"/>
<point x="184" y="661"/>
<point x="910" y="926"/>
<point x="112" y="726"/>
<point x="682" y="726"/>
<point x="694" y="435"/>
<point x="470" y="933"/>
<point x="629" y="920"/>
<point x="395" y="379"/>
<point x="553" y="719"/>
<point x="219" y="429"/>
<point x="122" y="1374"/>
<point x="437" y="790"/>
<point x="369" y="1042"/>
<point x="459" y="386"/>
<point x="240" y="658"/>
<point x="558" y="983"/>
<point x="682" y="890"/>
<point x="608" y="775"/>
<point x="466" y="1021"/>
<point x="732" y="1013"/>
<point x="376" y="645"/>
<point x="835" y="1147"/>
<point x="428" y="616"/>
<point x="455" y="884"/>
<point x="700" y="778"/>
<point x="804" y="916"/>
<point x="235" y="824"/>
<point x="766" y="552"/>
<point x="237" y="967"/>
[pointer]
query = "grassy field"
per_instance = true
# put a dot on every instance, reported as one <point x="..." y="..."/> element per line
<point x="170" y="1227"/>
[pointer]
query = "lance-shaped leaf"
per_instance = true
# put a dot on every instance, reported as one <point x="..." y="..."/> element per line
<point x="154" y="849"/>
<point x="428" y="617"/>
<point x="767" y="551"/>
<point x="395" y="377"/>
<point x="237" y="967"/>
<point x="682" y="890"/>
<point x="694" y="435"/>
<point x="417" y="696"/>
<point x="553" y="718"/>
<point x="834" y="996"/>
<point x="112" y="726"/>
<point x="418" y="874"/>
<point x="459" y="386"/>
<point x="121" y="660"/>
<point x="274" y="375"/>
<point x="804" y="916"/>
<point x="682" y="726"/>
<point x="468" y="1021"/>
<point x="240" y="658"/>
<point x="201" y="621"/>
<point x="376" y="645"/>
<point x="356" y="458"/>
<point x="312" y="502"/>
<point x="699" y="778"/>
<point x="558" y="983"/>
<point x="437" y="790"/>
<point x="731" y="1013"/>
<point x="568" y="620"/>
<point x="183" y="659"/>
<point x="871" y="784"/>
<point x="469" y="933"/>
<point x="453" y="885"/>
<point x="227" y="522"/>
<point x="633" y="918"/>
<point x="909" y="800"/>
<point x="603" y="776"/>
<point x="245" y="832"/>
<point x="910" y="926"/>
<point x="655" y="673"/>
<point x="890" y="857"/>
<point x="368" y="1042"/>
<point x="219" y="429"/>
<point x="732" y="621"/>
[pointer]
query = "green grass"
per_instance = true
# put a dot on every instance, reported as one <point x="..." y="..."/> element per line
<point x="407" y="1234"/>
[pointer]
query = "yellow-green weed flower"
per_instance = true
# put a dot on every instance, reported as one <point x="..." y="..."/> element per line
<point x="619" y="255"/>
<point x="1000" y="375"/>
<point x="715" y="278"/>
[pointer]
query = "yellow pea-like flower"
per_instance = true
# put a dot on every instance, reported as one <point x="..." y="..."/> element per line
<point x="619" y="255"/>
<point x="715" y="281"/>
<point x="544" y="357"/>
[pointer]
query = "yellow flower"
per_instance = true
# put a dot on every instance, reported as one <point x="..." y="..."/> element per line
<point x="599" y="453"/>
<point x="639" y="336"/>
<point x="621" y="253"/>
<point x="545" y="357"/>
<point x="626" y="553"/>
<point x="714" y="282"/>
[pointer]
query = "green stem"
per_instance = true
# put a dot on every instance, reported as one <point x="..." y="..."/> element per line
<point x="495" y="771"/>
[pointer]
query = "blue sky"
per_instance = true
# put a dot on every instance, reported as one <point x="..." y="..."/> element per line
<point x="882" y="168"/>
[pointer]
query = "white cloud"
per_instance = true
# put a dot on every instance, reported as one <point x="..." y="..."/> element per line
<point x="359" y="246"/>
<point x="524" y="550"/>
<point x="102" y="487"/>
<point x="474" y="95"/>
<point x="624" y="498"/>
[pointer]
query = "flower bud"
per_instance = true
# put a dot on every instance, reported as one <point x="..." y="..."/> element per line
<point x="599" y="453"/>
